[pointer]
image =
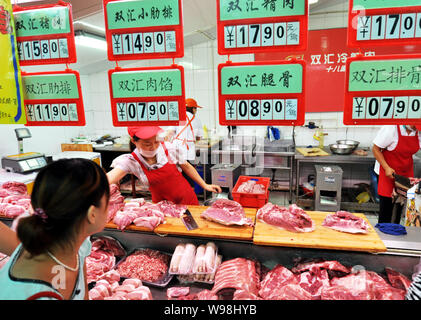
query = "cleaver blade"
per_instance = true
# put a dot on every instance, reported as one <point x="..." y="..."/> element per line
<point x="189" y="221"/>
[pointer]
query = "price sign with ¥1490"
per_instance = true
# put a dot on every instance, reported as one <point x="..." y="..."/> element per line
<point x="384" y="22"/>
<point x="53" y="98"/>
<point x="144" y="29"/>
<point x="250" y="26"/>
<point x="383" y="90"/>
<point x="45" y="34"/>
<point x="262" y="93"/>
<point x="147" y="96"/>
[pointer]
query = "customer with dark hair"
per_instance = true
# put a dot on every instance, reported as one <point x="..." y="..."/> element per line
<point x="70" y="201"/>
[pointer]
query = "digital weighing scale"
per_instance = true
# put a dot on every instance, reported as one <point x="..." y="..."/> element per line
<point x="23" y="162"/>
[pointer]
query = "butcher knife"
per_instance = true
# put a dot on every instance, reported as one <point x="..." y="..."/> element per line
<point x="402" y="182"/>
<point x="189" y="221"/>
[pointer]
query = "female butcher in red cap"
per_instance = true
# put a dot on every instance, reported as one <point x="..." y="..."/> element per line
<point x="156" y="164"/>
<point x="393" y="149"/>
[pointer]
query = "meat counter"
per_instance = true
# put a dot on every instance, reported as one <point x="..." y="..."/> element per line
<point x="402" y="261"/>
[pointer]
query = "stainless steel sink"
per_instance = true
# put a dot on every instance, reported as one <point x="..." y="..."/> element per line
<point x="278" y="146"/>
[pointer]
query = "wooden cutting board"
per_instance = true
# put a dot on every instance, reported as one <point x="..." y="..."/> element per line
<point x="207" y="229"/>
<point x="312" y="152"/>
<point x="320" y="238"/>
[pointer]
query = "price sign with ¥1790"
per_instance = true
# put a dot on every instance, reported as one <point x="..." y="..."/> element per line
<point x="262" y="93"/>
<point x="383" y="90"/>
<point x="144" y="29"/>
<point x="250" y="26"/>
<point x="147" y="96"/>
<point x="384" y="22"/>
<point x="53" y="98"/>
<point x="45" y="34"/>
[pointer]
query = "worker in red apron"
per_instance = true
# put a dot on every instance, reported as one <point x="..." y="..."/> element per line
<point x="158" y="164"/>
<point x="393" y="149"/>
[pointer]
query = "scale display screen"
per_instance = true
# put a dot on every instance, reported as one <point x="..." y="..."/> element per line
<point x="23" y="133"/>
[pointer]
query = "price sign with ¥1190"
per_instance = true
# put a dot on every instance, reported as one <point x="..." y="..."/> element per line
<point x="53" y="98"/>
<point x="262" y="93"/>
<point x="144" y="29"/>
<point x="383" y="90"/>
<point x="384" y="22"/>
<point x="45" y="34"/>
<point x="147" y="96"/>
<point x="246" y="26"/>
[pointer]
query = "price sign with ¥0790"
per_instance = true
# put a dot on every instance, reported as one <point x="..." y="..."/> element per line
<point x="144" y="29"/>
<point x="147" y="96"/>
<point x="250" y="26"/>
<point x="45" y="34"/>
<point x="384" y="22"/>
<point x="383" y="90"/>
<point x="262" y="93"/>
<point x="53" y="98"/>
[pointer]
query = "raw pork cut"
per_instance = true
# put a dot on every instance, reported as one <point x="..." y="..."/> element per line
<point x="130" y="289"/>
<point x="227" y="212"/>
<point x="206" y="295"/>
<point x="273" y="282"/>
<point x="116" y="201"/>
<point x="292" y="219"/>
<point x="15" y="187"/>
<point x="251" y="186"/>
<point x="176" y="292"/>
<point x="314" y="282"/>
<point x="170" y="209"/>
<point x="383" y="290"/>
<point x="245" y="295"/>
<point x="314" y="266"/>
<point x="397" y="279"/>
<point x="237" y="274"/>
<point x="346" y="222"/>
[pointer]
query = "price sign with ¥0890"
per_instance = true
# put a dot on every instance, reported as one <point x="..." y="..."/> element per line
<point x="44" y="34"/>
<point x="250" y="26"/>
<point x="144" y="29"/>
<point x="384" y="22"/>
<point x="53" y="98"/>
<point x="383" y="90"/>
<point x="147" y="96"/>
<point x="262" y="93"/>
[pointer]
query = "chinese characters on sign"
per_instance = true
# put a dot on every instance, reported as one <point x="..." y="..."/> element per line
<point x="332" y="62"/>
<point x="53" y="99"/>
<point x="248" y="26"/>
<point x="45" y="34"/>
<point x="11" y="95"/>
<point x="375" y="22"/>
<point x="261" y="94"/>
<point x="143" y="29"/>
<point x="383" y="90"/>
<point x="147" y="96"/>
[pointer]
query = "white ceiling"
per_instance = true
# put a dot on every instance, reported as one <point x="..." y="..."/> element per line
<point x="199" y="26"/>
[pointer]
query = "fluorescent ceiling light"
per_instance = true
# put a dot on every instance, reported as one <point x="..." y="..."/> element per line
<point x="91" y="42"/>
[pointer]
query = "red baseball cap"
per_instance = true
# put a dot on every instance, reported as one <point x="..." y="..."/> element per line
<point x="143" y="132"/>
<point x="192" y="103"/>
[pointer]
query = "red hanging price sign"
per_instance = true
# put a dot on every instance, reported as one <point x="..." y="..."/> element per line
<point x="144" y="29"/>
<point x="383" y="90"/>
<point x="261" y="26"/>
<point x="147" y="96"/>
<point x="384" y="22"/>
<point x="262" y="93"/>
<point x="53" y="98"/>
<point x="44" y="34"/>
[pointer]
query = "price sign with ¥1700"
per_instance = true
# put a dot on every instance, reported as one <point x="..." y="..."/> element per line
<point x="144" y="29"/>
<point x="383" y="90"/>
<point x="250" y="26"/>
<point x="53" y="98"/>
<point x="147" y="96"/>
<point x="262" y="93"/>
<point x="384" y="22"/>
<point x="45" y="34"/>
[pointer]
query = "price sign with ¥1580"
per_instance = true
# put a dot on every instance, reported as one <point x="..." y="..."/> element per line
<point x="144" y="29"/>
<point x="53" y="98"/>
<point x="383" y="90"/>
<point x="45" y="34"/>
<point x="384" y="22"/>
<point x="261" y="93"/>
<point x="147" y="96"/>
<point x="246" y="26"/>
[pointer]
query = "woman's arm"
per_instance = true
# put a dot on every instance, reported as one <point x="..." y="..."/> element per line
<point x="192" y="173"/>
<point x="378" y="154"/>
<point x="8" y="240"/>
<point x="86" y="281"/>
<point x="115" y="175"/>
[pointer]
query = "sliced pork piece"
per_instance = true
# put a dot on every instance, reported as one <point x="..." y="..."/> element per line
<point x="176" y="292"/>
<point x="314" y="282"/>
<point x="206" y="295"/>
<point x="274" y="281"/>
<point x="15" y="187"/>
<point x="170" y="209"/>
<point x="314" y="266"/>
<point x="124" y="218"/>
<point x="227" y="212"/>
<point x="344" y="221"/>
<point x="397" y="279"/>
<point x="147" y="222"/>
<point x="293" y="219"/>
